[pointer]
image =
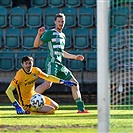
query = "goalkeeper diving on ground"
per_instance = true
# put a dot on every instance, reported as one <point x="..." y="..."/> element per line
<point x="24" y="82"/>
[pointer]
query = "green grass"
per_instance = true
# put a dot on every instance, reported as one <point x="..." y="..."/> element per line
<point x="65" y="120"/>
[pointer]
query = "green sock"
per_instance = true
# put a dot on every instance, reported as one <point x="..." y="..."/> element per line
<point x="80" y="104"/>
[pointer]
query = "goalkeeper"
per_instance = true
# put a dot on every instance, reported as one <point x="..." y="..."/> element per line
<point x="24" y="82"/>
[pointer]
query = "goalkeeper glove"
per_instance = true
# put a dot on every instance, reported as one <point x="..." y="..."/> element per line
<point x="19" y="109"/>
<point x="68" y="83"/>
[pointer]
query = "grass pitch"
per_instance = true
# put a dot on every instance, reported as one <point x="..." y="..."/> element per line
<point x="65" y="120"/>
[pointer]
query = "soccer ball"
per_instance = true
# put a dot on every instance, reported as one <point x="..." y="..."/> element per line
<point x="37" y="101"/>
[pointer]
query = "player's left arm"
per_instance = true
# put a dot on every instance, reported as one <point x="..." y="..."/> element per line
<point x="72" y="56"/>
<point x="9" y="93"/>
<point x="50" y="78"/>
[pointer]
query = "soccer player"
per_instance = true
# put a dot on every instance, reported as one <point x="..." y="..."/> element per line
<point x="24" y="82"/>
<point x="55" y="39"/>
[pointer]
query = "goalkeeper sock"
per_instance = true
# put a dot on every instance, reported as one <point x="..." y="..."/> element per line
<point x="80" y="104"/>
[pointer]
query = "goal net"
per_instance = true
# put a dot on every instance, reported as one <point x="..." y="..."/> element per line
<point x="121" y="61"/>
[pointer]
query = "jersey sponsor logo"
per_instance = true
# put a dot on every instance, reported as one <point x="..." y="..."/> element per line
<point x="31" y="82"/>
<point x="58" y="46"/>
<point x="58" y="40"/>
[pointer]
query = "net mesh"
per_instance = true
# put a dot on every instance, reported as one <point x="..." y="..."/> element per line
<point x="121" y="60"/>
<point x="121" y="68"/>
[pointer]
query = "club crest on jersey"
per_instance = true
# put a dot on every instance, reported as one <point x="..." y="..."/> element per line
<point x="34" y="76"/>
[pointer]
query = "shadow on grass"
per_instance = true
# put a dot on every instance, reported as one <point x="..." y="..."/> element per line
<point x="60" y="115"/>
<point x="62" y="107"/>
<point x="122" y="116"/>
<point x="7" y="108"/>
<point x="75" y="108"/>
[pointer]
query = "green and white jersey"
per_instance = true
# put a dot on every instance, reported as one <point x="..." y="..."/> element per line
<point x="56" y="44"/>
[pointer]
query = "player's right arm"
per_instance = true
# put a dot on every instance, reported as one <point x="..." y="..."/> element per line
<point x="14" y="83"/>
<point x="9" y="93"/>
<point x="37" y="41"/>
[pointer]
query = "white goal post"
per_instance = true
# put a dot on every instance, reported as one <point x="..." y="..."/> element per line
<point x="103" y="67"/>
<point x="115" y="65"/>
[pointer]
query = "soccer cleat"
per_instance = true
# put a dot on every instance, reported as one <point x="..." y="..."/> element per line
<point x="80" y="112"/>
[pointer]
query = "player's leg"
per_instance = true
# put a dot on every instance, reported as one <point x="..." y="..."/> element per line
<point x="44" y="86"/>
<point x="75" y="89"/>
<point x="51" y="102"/>
<point x="77" y="97"/>
<point x="66" y="74"/>
<point x="49" y="107"/>
<point x="46" y="109"/>
<point x="52" y="70"/>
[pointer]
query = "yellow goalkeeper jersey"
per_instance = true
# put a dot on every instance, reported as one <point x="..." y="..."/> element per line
<point x="25" y="83"/>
